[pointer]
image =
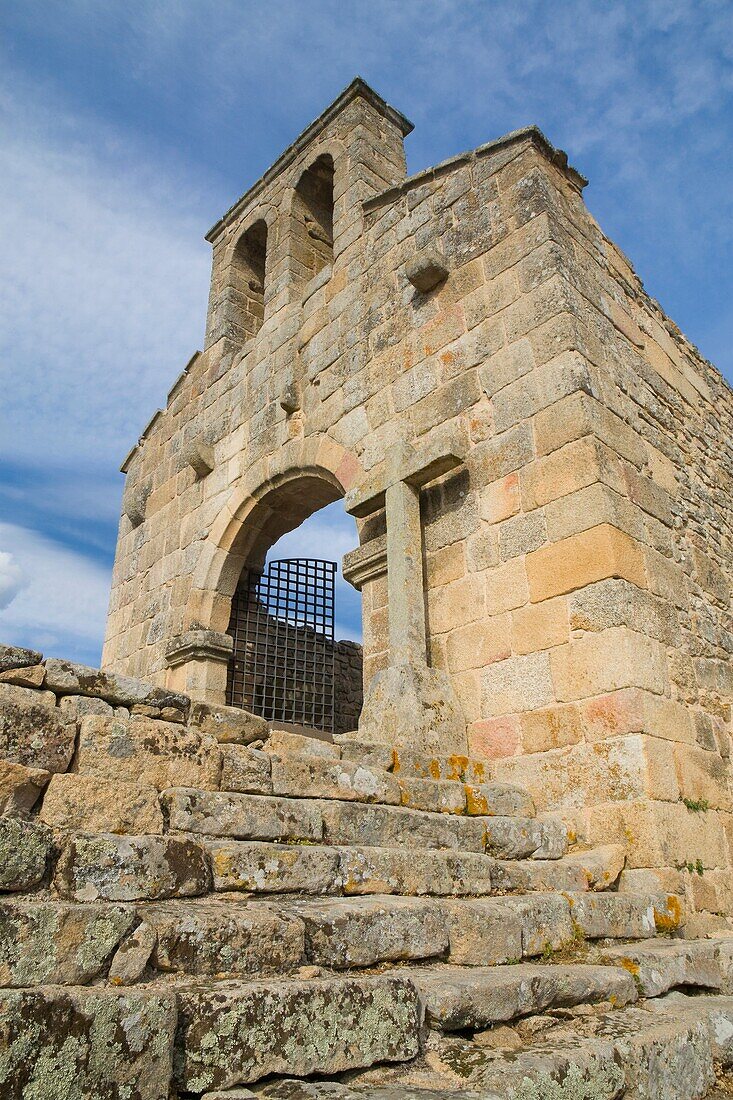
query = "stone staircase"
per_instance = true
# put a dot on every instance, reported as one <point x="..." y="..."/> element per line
<point x="196" y="906"/>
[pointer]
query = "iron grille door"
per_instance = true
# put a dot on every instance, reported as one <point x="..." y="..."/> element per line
<point x="282" y="623"/>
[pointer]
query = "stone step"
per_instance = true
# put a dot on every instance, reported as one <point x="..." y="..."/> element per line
<point x="459" y="998"/>
<point x="593" y="869"/>
<point x="667" y="1049"/>
<point x="239" y="1032"/>
<point x="327" y="776"/>
<point x="660" y="965"/>
<point x="107" y="867"/>
<point x="332" y="821"/>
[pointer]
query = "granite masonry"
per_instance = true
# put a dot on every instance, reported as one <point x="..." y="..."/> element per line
<point x="511" y="878"/>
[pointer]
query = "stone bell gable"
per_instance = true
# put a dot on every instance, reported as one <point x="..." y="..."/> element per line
<point x="467" y="344"/>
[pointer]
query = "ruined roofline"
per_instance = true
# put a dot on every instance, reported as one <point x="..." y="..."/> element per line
<point x="556" y="156"/>
<point x="358" y="88"/>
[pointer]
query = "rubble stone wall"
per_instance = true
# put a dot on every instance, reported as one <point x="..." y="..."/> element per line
<point x="579" y="565"/>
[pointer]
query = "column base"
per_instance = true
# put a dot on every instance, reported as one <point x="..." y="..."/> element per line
<point x="414" y="707"/>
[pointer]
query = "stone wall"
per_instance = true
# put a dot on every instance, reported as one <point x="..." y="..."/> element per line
<point x="349" y="681"/>
<point x="578" y="566"/>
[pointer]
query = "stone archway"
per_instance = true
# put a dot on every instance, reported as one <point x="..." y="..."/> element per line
<point x="275" y="496"/>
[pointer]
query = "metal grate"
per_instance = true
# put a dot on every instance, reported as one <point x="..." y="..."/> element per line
<point x="282" y="623"/>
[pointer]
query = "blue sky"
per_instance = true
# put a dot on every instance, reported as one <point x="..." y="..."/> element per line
<point x="128" y="128"/>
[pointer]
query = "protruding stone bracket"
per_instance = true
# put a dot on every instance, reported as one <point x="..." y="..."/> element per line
<point x="202" y="645"/>
<point x="290" y="399"/>
<point x="134" y="503"/>
<point x="199" y="455"/>
<point x="427" y="270"/>
<point x="198" y="663"/>
<point x="366" y="563"/>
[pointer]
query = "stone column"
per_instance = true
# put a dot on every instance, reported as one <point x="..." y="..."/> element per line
<point x="405" y="584"/>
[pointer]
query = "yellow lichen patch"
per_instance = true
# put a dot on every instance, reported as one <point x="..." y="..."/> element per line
<point x="456" y="767"/>
<point x="395" y="761"/>
<point x="434" y="768"/>
<point x="631" y="966"/>
<point x="671" y="919"/>
<point x="476" y="803"/>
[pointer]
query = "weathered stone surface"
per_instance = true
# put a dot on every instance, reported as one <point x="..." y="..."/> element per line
<point x="538" y="874"/>
<point x="89" y="803"/>
<point x="360" y="752"/>
<point x="77" y="706"/>
<point x="132" y="956"/>
<point x="601" y="866"/>
<point x="288" y="743"/>
<point x="273" y="868"/>
<point x="426" y="270"/>
<point x="86" y="1043"/>
<point x="483" y="933"/>
<point x="54" y="942"/>
<point x="131" y="868"/>
<point x="229" y="725"/>
<point x="394" y="826"/>
<point x="13" y="693"/>
<point x="36" y="736"/>
<point x="67" y="678"/>
<point x="457" y="998"/>
<point x="414" y="706"/>
<point x="516" y="838"/>
<point x="224" y="937"/>
<point x="142" y="750"/>
<point x="343" y="932"/>
<point x="621" y="916"/>
<point x="240" y="1033"/>
<point x="660" y="965"/>
<point x="245" y="770"/>
<point x="20" y="787"/>
<point x="249" y="817"/>
<point x="436" y="796"/>
<point x="29" y="677"/>
<point x="13" y="656"/>
<point x="24" y="851"/>
<point x="501" y="799"/>
<point x="315" y="777"/>
<point x="374" y="870"/>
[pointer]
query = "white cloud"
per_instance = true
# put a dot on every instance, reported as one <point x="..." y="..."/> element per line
<point x="60" y="605"/>
<point x="12" y="579"/>
<point x="103" y="292"/>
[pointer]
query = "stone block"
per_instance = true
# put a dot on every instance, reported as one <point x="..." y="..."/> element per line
<point x="20" y="787"/>
<point x="51" y="942"/>
<point x="501" y="799"/>
<point x="86" y="1043"/>
<point x="287" y="743"/>
<point x="229" y="725"/>
<point x="618" y="916"/>
<point x="416" y="706"/>
<point x="243" y="1032"/>
<point x="598" y="663"/>
<point x="506" y="587"/>
<point x="77" y="706"/>
<point x="441" y="796"/>
<point x="67" y="678"/>
<point x="500" y="499"/>
<point x="90" y="804"/>
<point x="341" y="933"/>
<point x="395" y="826"/>
<point x="517" y="838"/>
<point x="131" y="958"/>
<point x="131" y="868"/>
<point x="483" y="933"/>
<point x="540" y="626"/>
<point x="658" y="834"/>
<point x="517" y="684"/>
<point x="314" y="777"/>
<point x="245" y="770"/>
<point x="660" y="965"/>
<point x="142" y="750"/>
<point x="219" y="938"/>
<point x="36" y="736"/>
<point x="25" y="848"/>
<point x="613" y="603"/>
<point x="30" y="677"/>
<point x="244" y="816"/>
<point x="583" y="558"/>
<point x="373" y="870"/>
<point x="13" y="656"/>
<point x="273" y="868"/>
<point x="704" y="778"/>
<point x="458" y="999"/>
<point x="478" y="644"/>
<point x="551" y="727"/>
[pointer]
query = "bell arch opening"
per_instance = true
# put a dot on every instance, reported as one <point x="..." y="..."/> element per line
<point x="247" y="282"/>
<point x="313" y="205"/>
<point x="295" y="623"/>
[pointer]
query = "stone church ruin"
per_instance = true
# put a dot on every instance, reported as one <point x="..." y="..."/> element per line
<point x="506" y="873"/>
